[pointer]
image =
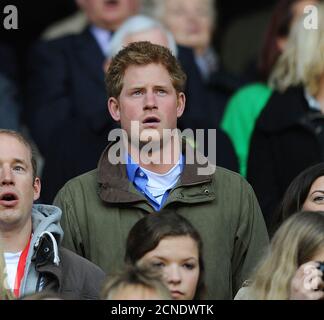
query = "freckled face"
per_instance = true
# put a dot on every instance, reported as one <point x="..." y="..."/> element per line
<point x="149" y="99"/>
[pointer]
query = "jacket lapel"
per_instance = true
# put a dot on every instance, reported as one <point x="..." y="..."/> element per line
<point x="89" y="54"/>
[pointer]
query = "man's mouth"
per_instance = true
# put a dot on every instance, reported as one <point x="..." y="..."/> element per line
<point x="151" y="120"/>
<point x="8" y="199"/>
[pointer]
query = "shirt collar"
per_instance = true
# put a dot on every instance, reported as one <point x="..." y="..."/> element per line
<point x="132" y="167"/>
<point x="103" y="38"/>
<point x="208" y="62"/>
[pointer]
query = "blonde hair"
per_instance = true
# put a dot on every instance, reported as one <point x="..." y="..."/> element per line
<point x="138" y="275"/>
<point x="296" y="242"/>
<point x="302" y="61"/>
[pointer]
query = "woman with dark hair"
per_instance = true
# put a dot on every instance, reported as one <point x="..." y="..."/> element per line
<point x="169" y="242"/>
<point x="246" y="104"/>
<point x="306" y="192"/>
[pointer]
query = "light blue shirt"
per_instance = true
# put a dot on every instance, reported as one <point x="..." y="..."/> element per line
<point x="103" y="38"/>
<point x="140" y="178"/>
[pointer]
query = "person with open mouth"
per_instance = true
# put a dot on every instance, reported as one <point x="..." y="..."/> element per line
<point x="30" y="234"/>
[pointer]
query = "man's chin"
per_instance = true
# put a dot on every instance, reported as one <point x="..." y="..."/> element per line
<point x="151" y="144"/>
<point x="150" y="136"/>
<point x="8" y="216"/>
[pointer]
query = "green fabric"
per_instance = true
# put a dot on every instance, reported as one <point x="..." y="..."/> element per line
<point x="240" y="116"/>
<point x="224" y="210"/>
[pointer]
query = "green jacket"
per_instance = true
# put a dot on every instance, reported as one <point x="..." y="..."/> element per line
<point x="100" y="207"/>
<point x="240" y="116"/>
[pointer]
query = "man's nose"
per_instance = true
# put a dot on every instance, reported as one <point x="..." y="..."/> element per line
<point x="174" y="274"/>
<point x="6" y="176"/>
<point x="150" y="100"/>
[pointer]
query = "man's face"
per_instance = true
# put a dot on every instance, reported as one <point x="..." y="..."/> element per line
<point x="17" y="188"/>
<point x="109" y="14"/>
<point x="148" y="97"/>
<point x="190" y="22"/>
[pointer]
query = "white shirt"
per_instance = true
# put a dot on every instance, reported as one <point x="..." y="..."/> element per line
<point x="12" y="260"/>
<point x="103" y="38"/>
<point x="158" y="184"/>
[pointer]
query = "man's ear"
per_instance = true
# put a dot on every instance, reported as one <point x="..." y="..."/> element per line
<point x="113" y="108"/>
<point x="37" y="188"/>
<point x="181" y="104"/>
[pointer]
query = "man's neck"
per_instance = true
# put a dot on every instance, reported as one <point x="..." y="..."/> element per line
<point x="160" y="160"/>
<point x="15" y="240"/>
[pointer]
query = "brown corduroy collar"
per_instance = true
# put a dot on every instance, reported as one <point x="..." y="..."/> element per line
<point x="115" y="185"/>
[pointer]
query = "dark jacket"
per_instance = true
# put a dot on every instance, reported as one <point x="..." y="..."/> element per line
<point x="53" y="268"/>
<point x="66" y="87"/>
<point x="101" y="206"/>
<point x="9" y="106"/>
<point x="283" y="144"/>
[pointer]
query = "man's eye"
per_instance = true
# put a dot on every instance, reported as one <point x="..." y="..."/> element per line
<point x="161" y="92"/>
<point x="19" y="168"/>
<point x="137" y="93"/>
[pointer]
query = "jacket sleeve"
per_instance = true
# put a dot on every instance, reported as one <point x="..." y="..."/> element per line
<point x="82" y="278"/>
<point x="251" y="238"/>
<point x="72" y="236"/>
<point x="49" y="104"/>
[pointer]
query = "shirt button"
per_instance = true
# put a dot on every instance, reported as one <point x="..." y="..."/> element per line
<point x="141" y="174"/>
